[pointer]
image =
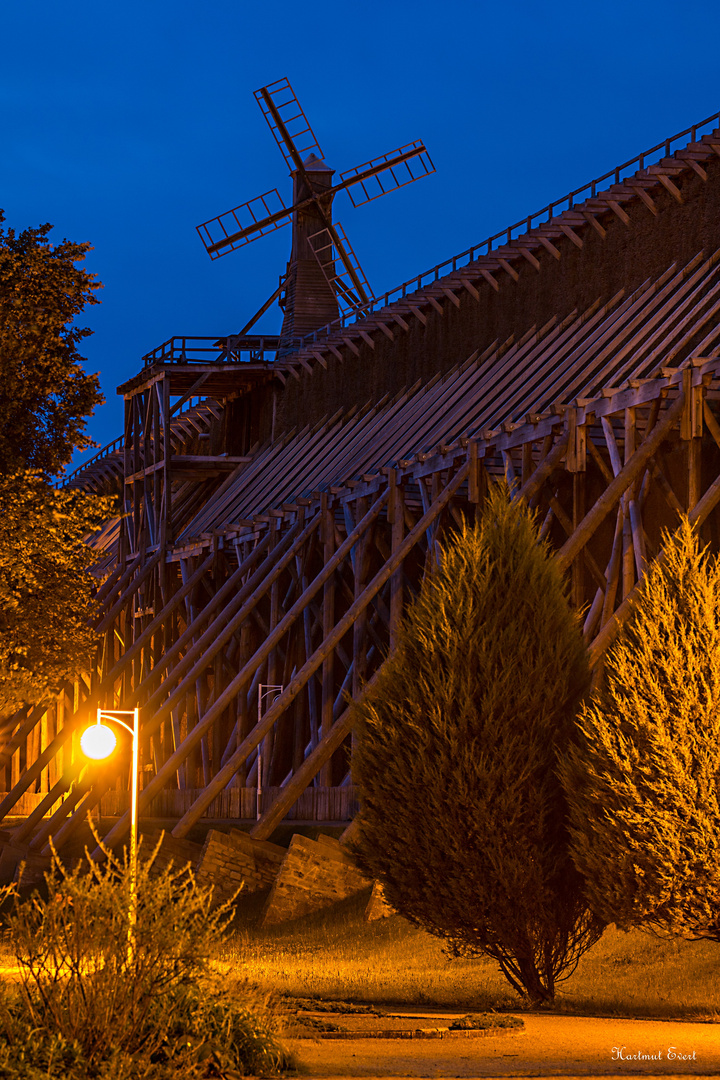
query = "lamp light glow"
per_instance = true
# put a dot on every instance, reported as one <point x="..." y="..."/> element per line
<point x="98" y="741"/>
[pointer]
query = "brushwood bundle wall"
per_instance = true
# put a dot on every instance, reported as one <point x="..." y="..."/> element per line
<point x="628" y="255"/>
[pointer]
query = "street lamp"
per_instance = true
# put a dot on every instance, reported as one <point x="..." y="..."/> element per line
<point x="98" y="742"/>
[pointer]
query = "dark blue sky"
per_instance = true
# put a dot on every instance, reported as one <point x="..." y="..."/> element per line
<point x="128" y="124"/>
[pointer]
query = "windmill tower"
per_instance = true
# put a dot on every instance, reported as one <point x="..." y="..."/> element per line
<point x="323" y="276"/>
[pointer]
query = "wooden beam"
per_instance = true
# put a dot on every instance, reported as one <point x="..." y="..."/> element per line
<point x="544" y="469"/>
<point x="509" y="269"/>
<point x="340" y="629"/>
<point x="668" y="184"/>
<point x="694" y="165"/>
<point x="527" y="254"/>
<point x="351" y="345"/>
<point x="618" y="211"/>
<point x="108" y="619"/>
<point x="303" y="777"/>
<point x="592" y="220"/>
<point x="489" y="278"/>
<point x="612" y="494"/>
<point x="699" y="513"/>
<point x="572" y="235"/>
<point x="642" y="194"/>
<point x="549" y="246"/>
<point x="243" y="677"/>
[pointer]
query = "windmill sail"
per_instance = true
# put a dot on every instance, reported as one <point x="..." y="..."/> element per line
<point x="288" y="122"/>
<point x="387" y="173"/>
<point x="245" y="223"/>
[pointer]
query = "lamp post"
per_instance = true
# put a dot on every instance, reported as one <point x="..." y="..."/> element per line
<point x="98" y="742"/>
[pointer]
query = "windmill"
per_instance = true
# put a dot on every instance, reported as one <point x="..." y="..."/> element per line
<point x="323" y="274"/>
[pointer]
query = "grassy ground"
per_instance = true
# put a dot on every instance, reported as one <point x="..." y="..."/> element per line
<point x="339" y="956"/>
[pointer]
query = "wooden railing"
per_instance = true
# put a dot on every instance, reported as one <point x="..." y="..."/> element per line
<point x="518" y="228"/>
<point x="233" y="349"/>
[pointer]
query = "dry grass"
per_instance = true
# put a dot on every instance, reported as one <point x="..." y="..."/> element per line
<point x="338" y="956"/>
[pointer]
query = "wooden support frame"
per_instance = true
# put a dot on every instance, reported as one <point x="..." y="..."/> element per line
<point x="314" y="596"/>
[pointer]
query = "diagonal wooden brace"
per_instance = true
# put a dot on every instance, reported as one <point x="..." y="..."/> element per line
<point x="613" y="493"/>
<point x="342" y="626"/>
<point x="609" y="631"/>
<point x="243" y="677"/>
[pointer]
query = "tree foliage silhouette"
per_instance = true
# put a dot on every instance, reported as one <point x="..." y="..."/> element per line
<point x="462" y="816"/>
<point x="45" y="398"/>
<point x="45" y="395"/>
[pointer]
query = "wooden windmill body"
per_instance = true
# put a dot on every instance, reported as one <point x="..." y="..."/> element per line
<point x="309" y="299"/>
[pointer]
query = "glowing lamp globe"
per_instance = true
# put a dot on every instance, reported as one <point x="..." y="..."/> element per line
<point x="98" y="742"/>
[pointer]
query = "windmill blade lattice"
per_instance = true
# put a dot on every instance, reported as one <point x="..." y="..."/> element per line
<point x="329" y="255"/>
<point x="309" y="303"/>
<point x="245" y="223"/>
<point x="288" y="122"/>
<point x="387" y="173"/>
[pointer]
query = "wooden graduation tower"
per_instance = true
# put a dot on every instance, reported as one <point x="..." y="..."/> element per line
<point x="285" y="496"/>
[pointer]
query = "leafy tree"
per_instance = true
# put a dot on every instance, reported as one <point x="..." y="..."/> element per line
<point x="642" y="781"/>
<point x="462" y="817"/>
<point x="45" y="398"/>
<point x="45" y="395"/>
<point x="45" y="585"/>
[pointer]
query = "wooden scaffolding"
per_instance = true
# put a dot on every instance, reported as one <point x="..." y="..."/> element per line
<point x="287" y="564"/>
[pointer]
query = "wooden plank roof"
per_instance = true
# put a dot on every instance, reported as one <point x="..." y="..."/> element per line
<point x="584" y="355"/>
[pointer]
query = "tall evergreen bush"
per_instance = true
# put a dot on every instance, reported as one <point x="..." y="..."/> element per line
<point x="462" y="815"/>
<point x="642" y="782"/>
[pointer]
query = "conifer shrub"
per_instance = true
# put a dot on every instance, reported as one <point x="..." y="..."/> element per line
<point x="642" y="779"/>
<point x="462" y="816"/>
<point x="84" y="1008"/>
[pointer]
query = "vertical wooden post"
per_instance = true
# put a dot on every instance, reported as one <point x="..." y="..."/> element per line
<point x="361" y="560"/>
<point x="527" y="462"/>
<point x="167" y="530"/>
<point x="576" y="464"/>
<point x="157" y="509"/>
<point x="691" y="429"/>
<point x="268" y="743"/>
<point x="244" y="720"/>
<point x="328" y="615"/>
<point x="628" y="555"/>
<point x="137" y="487"/>
<point x="396" y="518"/>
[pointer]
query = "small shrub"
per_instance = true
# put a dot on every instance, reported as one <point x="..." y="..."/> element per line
<point x="84" y="1007"/>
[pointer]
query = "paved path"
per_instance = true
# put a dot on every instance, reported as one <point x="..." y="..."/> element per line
<point x="569" y="1046"/>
